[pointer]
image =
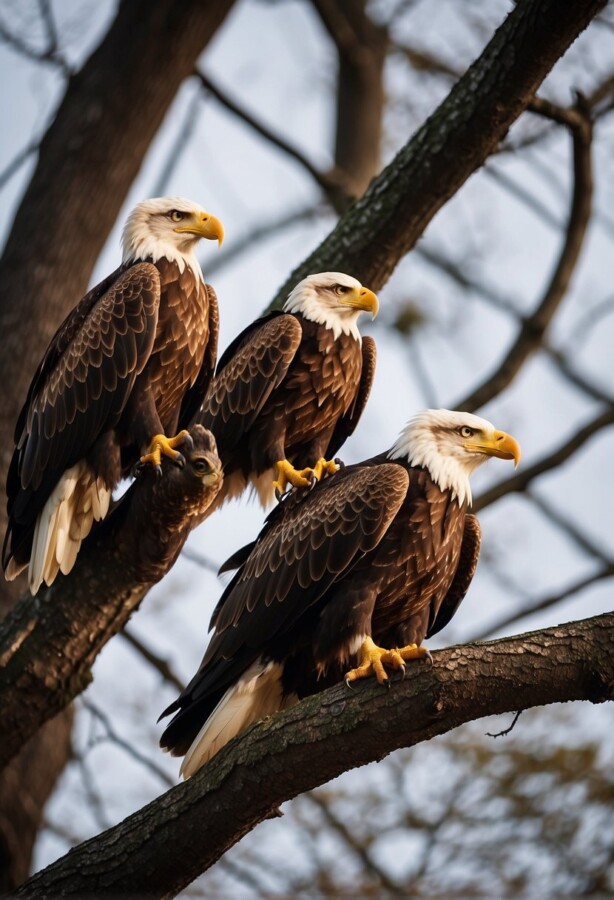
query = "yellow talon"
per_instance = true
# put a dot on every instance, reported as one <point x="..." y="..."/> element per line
<point x="287" y="474"/>
<point x="162" y="446"/>
<point x="374" y="658"/>
<point x="325" y="467"/>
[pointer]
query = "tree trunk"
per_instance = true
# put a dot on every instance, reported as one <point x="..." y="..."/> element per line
<point x="89" y="157"/>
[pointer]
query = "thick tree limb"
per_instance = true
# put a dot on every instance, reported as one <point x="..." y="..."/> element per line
<point x="160" y="849"/>
<point x="49" y="642"/>
<point x="387" y="221"/>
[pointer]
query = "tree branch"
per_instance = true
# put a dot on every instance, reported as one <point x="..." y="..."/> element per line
<point x="160" y="849"/>
<point x="520" y="481"/>
<point x="373" y="235"/>
<point x="48" y="643"/>
<point x="333" y="183"/>
<point x="533" y="329"/>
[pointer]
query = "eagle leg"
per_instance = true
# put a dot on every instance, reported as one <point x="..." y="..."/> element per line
<point x="287" y="474"/>
<point x="325" y="467"/>
<point x="374" y="658"/>
<point x="161" y="446"/>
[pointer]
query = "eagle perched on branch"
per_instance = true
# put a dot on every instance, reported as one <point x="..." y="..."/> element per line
<point x="358" y="572"/>
<point x="291" y="388"/>
<point x="128" y="367"/>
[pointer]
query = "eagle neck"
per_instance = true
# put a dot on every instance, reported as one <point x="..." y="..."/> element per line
<point x="155" y="254"/>
<point x="445" y="471"/>
<point x="330" y="319"/>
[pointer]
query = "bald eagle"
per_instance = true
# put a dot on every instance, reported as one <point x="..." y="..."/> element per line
<point x="127" y="368"/>
<point x="291" y="388"/>
<point x="358" y="572"/>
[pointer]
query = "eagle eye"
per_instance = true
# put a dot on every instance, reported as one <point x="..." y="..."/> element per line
<point x="175" y="215"/>
<point x="201" y="466"/>
<point x="466" y="432"/>
<point x="341" y="289"/>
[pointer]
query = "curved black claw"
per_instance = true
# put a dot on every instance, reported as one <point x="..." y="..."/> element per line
<point x="349" y="683"/>
<point x="386" y="683"/>
<point x="188" y="442"/>
<point x="339" y="462"/>
<point x="180" y="459"/>
<point x="428" y="657"/>
<point x="158" y="471"/>
<point x="278" y="495"/>
<point x="311" y="478"/>
<point x="403" y="673"/>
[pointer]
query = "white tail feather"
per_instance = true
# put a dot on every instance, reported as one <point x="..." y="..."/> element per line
<point x="256" y="695"/>
<point x="77" y="500"/>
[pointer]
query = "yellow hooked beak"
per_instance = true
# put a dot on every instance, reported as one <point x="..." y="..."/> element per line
<point x="204" y="225"/>
<point x="499" y="444"/>
<point x="362" y="298"/>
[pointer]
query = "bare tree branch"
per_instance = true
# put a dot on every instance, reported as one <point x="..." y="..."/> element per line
<point x="517" y="483"/>
<point x="385" y="223"/>
<point x="534" y="327"/>
<point x="333" y="182"/>
<point x="164" y="846"/>
<point x="261" y="232"/>
<point x="111" y="735"/>
<point x="546" y="602"/>
<point x="18" y="160"/>
<point x="356" y="846"/>
<point x="49" y="55"/>
<point x="161" y="665"/>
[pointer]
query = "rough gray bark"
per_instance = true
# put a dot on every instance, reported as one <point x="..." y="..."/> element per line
<point x="386" y="222"/>
<point x="87" y="161"/>
<point x="160" y="849"/>
<point x="48" y="643"/>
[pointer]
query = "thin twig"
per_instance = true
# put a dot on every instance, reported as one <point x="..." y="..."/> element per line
<point x="533" y="329"/>
<point x="519" y="482"/>
<point x="200" y="560"/>
<point x="546" y="602"/>
<point x="570" y="529"/>
<point x="352" y="843"/>
<point x="161" y="665"/>
<point x="184" y="133"/>
<point x="49" y="55"/>
<point x="334" y="182"/>
<point x="262" y="231"/>
<point x="506" y="731"/>
<point x="125" y="746"/>
<point x="18" y="160"/>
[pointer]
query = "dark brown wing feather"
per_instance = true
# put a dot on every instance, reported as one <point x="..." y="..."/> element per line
<point x="302" y="550"/>
<point x="346" y="425"/>
<point x="194" y="397"/>
<point x="306" y="544"/>
<point x="81" y="387"/>
<point x="468" y="560"/>
<point x="247" y="377"/>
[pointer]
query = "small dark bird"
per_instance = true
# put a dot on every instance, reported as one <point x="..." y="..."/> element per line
<point x="357" y="572"/>
<point x="125" y="371"/>
<point x="291" y="388"/>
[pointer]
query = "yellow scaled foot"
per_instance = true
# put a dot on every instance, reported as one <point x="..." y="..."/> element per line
<point x="162" y="446"/>
<point x="325" y="467"/>
<point x="287" y="474"/>
<point x="374" y="658"/>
